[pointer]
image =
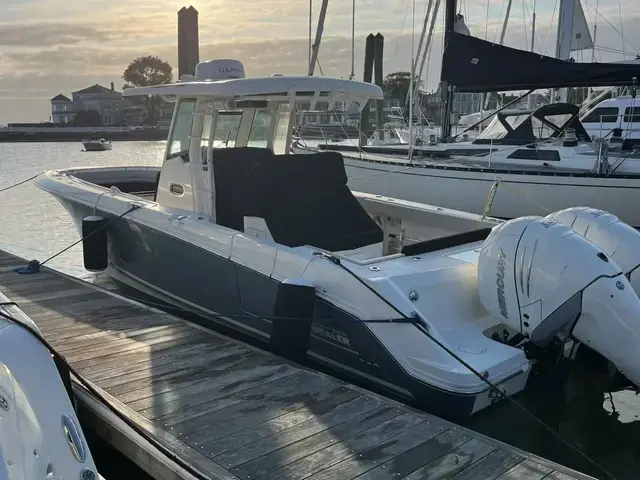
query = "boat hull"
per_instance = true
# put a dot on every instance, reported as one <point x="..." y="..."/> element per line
<point x="519" y="193"/>
<point x="227" y="293"/>
<point x="96" y="147"/>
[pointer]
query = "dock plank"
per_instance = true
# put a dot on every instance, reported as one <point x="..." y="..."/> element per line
<point x="454" y="461"/>
<point x="234" y="412"/>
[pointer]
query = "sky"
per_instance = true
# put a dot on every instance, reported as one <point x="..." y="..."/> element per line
<point x="49" y="47"/>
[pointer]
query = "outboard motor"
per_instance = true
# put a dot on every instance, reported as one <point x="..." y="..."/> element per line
<point x="618" y="240"/>
<point x="541" y="278"/>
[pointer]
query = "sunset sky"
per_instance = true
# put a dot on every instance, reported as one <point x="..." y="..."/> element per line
<point x="59" y="46"/>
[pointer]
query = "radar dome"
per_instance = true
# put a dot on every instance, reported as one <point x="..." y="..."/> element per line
<point x="224" y="69"/>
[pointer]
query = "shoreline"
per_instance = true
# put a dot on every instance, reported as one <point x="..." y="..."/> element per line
<point x="58" y="136"/>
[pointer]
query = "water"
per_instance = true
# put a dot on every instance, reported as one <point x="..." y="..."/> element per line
<point x="606" y="427"/>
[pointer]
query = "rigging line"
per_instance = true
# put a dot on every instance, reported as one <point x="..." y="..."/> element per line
<point x="486" y="20"/>
<point x="421" y="325"/>
<point x="621" y="28"/>
<point x="553" y="16"/>
<point x="637" y="49"/>
<point x="499" y="18"/>
<point x="524" y="22"/>
<point x="401" y="29"/>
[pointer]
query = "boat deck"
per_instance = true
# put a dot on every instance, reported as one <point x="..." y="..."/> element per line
<point x="232" y="411"/>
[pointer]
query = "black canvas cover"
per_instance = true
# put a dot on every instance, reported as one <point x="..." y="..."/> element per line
<point x="304" y="199"/>
<point x="475" y="65"/>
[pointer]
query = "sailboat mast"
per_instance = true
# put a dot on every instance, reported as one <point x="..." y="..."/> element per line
<point x="531" y="100"/>
<point x="315" y="48"/>
<point x="353" y="40"/>
<point x="506" y="22"/>
<point x="310" y="26"/>
<point x="449" y="22"/>
<point x="413" y="72"/>
<point x="420" y="46"/>
<point x="566" y="15"/>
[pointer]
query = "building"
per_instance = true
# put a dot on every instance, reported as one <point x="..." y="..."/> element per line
<point x="114" y="110"/>
<point x="106" y="101"/>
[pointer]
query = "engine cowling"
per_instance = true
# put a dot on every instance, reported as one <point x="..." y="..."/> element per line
<point x="541" y="278"/>
<point x="618" y="240"/>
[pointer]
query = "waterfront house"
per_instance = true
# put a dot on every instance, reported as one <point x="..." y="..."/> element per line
<point x="114" y="110"/>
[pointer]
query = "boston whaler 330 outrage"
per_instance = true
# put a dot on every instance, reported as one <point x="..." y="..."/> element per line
<point x="433" y="305"/>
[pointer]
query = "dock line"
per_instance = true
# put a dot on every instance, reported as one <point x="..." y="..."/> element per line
<point x="19" y="183"/>
<point x="34" y="265"/>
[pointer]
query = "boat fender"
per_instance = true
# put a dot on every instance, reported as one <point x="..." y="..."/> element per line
<point x="293" y="316"/>
<point x="94" y="243"/>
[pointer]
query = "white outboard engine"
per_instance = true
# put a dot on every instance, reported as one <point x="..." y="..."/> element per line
<point x="541" y="278"/>
<point x="618" y="240"/>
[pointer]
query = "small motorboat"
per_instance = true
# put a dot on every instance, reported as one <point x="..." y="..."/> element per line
<point x="96" y="145"/>
<point x="41" y="436"/>
<point x="443" y="308"/>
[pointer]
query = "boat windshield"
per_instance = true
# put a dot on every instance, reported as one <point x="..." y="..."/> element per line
<point x="496" y="130"/>
<point x="227" y="127"/>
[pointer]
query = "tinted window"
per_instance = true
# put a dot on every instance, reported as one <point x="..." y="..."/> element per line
<point x="608" y="115"/>
<point x="632" y="114"/>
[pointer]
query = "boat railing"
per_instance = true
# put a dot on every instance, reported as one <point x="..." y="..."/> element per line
<point x="625" y="121"/>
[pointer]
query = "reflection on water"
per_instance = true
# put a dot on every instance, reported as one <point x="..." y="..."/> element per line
<point x="577" y="404"/>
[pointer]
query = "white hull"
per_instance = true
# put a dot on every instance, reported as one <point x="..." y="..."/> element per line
<point x="517" y="194"/>
<point x="35" y="409"/>
<point x="96" y="146"/>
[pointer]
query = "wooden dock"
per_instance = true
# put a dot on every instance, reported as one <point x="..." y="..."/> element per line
<point x="234" y="412"/>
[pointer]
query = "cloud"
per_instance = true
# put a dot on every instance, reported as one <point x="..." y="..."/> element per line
<point x="39" y="34"/>
<point x="53" y="46"/>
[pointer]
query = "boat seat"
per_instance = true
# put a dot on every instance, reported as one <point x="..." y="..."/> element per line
<point x="303" y="200"/>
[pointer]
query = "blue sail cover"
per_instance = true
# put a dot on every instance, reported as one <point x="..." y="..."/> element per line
<point x="475" y="65"/>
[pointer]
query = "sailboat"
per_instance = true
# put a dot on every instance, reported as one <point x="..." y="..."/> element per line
<point x="525" y="163"/>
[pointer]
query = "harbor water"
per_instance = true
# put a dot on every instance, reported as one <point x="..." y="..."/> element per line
<point x="604" y="425"/>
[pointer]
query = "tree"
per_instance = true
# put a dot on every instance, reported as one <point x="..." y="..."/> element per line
<point x="147" y="71"/>
<point x="396" y="85"/>
<point x="87" y="118"/>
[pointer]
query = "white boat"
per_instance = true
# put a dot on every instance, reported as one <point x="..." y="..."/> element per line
<point x="510" y="170"/>
<point x="433" y="305"/>
<point x="96" y="145"/>
<point x="40" y="436"/>
<point x="614" y="113"/>
<point x="525" y="162"/>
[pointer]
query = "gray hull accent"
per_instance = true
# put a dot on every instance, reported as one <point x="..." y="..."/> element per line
<point x="189" y="277"/>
